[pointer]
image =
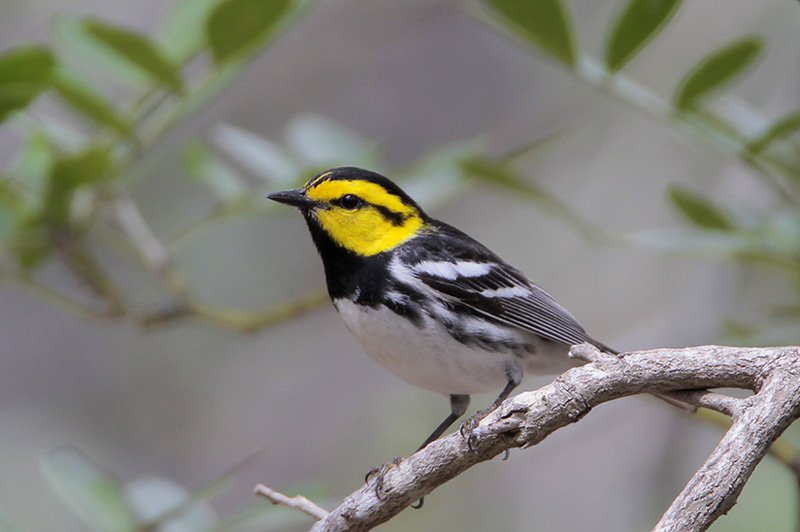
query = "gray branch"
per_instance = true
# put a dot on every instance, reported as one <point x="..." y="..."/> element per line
<point x="773" y="374"/>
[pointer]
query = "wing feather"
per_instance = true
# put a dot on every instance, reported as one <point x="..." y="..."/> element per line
<point x="501" y="292"/>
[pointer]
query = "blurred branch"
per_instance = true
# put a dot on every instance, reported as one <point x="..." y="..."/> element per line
<point x="528" y="418"/>
<point x="710" y="133"/>
<point x="298" y="502"/>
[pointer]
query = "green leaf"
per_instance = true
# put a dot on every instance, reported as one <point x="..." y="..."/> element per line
<point x="543" y="23"/>
<point x="236" y="28"/>
<point x="783" y="127"/>
<point x="184" y="29"/>
<point x="31" y="244"/>
<point x="35" y="159"/>
<point x="699" y="210"/>
<point x="95" y="495"/>
<point x="640" y="21"/>
<point x="85" y="168"/>
<point x="12" y="206"/>
<point x="10" y="196"/>
<point x="25" y="72"/>
<point x="500" y="173"/>
<point x="67" y="174"/>
<point x="26" y="64"/>
<point x="79" y="47"/>
<point x="88" y="102"/>
<point x="715" y="71"/>
<point x="138" y="50"/>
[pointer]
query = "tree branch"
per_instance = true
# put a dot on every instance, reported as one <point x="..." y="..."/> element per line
<point x="773" y="374"/>
<point x="298" y="502"/>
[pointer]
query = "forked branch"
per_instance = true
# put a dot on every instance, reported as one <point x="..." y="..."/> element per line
<point x="773" y="374"/>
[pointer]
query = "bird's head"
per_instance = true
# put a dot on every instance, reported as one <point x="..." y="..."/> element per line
<point x="358" y="210"/>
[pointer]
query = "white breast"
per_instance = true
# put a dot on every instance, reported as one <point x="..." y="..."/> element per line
<point x="429" y="357"/>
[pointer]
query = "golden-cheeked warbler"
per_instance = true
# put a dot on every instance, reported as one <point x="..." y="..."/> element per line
<point x="428" y="302"/>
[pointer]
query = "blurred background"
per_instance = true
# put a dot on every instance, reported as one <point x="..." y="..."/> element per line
<point x="412" y="89"/>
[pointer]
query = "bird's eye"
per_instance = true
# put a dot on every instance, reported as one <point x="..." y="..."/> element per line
<point x="350" y="202"/>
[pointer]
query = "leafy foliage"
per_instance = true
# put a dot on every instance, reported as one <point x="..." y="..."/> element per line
<point x="699" y="210"/>
<point x="640" y="22"/>
<point x="543" y="23"/>
<point x="235" y="27"/>
<point x="714" y="71"/>
<point x="766" y="238"/>
<point x="25" y="73"/>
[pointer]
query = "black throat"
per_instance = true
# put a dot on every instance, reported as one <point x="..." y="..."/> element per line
<point x="347" y="274"/>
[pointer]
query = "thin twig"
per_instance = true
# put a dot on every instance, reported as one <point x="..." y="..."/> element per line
<point x="298" y="502"/>
<point x="724" y="404"/>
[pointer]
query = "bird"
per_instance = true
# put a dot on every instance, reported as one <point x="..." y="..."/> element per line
<point x="428" y="302"/>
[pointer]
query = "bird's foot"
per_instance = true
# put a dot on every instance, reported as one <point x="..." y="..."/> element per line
<point x="469" y="425"/>
<point x="379" y="473"/>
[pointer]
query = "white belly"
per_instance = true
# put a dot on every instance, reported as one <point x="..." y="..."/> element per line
<point x="429" y="357"/>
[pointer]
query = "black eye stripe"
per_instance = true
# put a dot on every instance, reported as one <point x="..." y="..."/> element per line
<point x="395" y="218"/>
<point x="352" y="202"/>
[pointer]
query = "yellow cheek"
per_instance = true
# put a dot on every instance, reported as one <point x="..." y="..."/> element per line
<point x="365" y="231"/>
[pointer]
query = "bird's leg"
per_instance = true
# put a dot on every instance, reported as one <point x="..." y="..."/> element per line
<point x="458" y="405"/>
<point x="514" y="374"/>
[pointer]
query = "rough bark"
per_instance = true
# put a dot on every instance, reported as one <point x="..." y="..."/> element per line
<point x="773" y="374"/>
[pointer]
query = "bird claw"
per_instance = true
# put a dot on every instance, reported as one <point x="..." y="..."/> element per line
<point x="379" y="473"/>
<point x="468" y="427"/>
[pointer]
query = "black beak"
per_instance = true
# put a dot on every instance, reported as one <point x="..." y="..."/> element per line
<point x="295" y="197"/>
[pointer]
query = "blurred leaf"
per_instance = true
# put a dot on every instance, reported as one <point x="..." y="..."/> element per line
<point x="11" y="206"/>
<point x="85" y="168"/>
<point x="783" y="127"/>
<point x="10" y="197"/>
<point x="92" y="493"/>
<point x="25" y="72"/>
<point x="155" y="500"/>
<point x="543" y="23"/>
<point x="263" y="158"/>
<point x="88" y="102"/>
<point x="68" y="173"/>
<point x="699" y="210"/>
<point x="640" y="21"/>
<point x="321" y="142"/>
<point x="200" y="163"/>
<point x="198" y="99"/>
<point x="138" y="50"/>
<point x="715" y="70"/>
<point x="500" y="173"/>
<point x="26" y="64"/>
<point x="184" y="30"/>
<point x="73" y="39"/>
<point x="31" y="244"/>
<point x="710" y="124"/>
<point x="36" y="158"/>
<point x="235" y="28"/>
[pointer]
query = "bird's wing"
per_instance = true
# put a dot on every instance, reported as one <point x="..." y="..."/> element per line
<point x="502" y="297"/>
<point x="480" y="280"/>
